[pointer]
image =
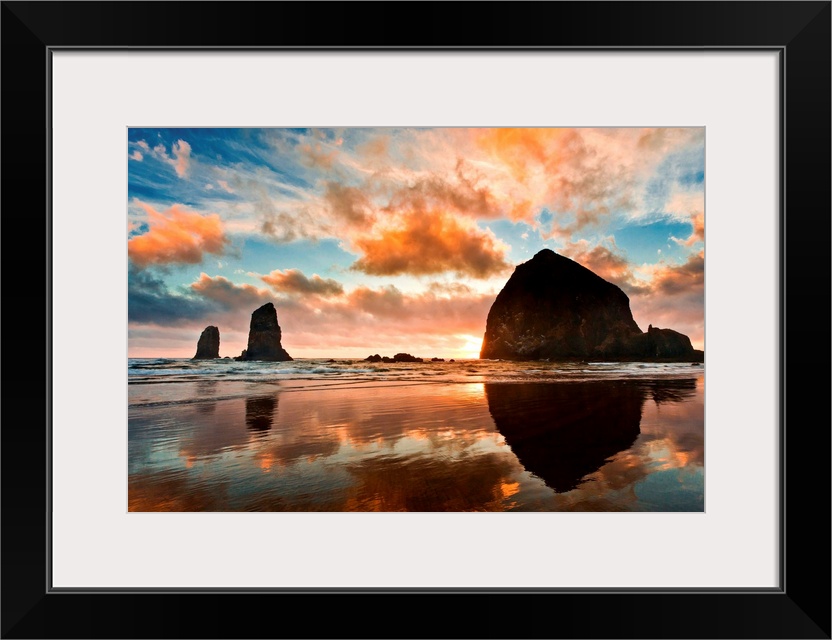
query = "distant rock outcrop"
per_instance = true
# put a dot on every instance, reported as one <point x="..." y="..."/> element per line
<point x="399" y="357"/>
<point x="554" y="308"/>
<point x="406" y="357"/>
<point x="264" y="337"/>
<point x="208" y="346"/>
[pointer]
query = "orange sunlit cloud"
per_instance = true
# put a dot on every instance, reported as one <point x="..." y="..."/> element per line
<point x="230" y="295"/>
<point x="177" y="236"/>
<point x="561" y="168"/>
<point x="294" y="281"/>
<point x="698" y="233"/>
<point x="685" y="278"/>
<point x="431" y="242"/>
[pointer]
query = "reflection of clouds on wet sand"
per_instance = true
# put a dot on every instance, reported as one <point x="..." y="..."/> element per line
<point x="420" y="447"/>
<point x="173" y="491"/>
<point x="668" y="455"/>
<point x="328" y="448"/>
<point x="470" y="482"/>
<point x="465" y="482"/>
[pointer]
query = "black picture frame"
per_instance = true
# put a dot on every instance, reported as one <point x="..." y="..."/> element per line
<point x="799" y="31"/>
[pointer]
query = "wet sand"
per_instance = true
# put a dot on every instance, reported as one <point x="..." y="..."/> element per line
<point x="213" y="445"/>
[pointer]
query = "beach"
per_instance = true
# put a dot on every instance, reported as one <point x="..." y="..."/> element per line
<point x="470" y="435"/>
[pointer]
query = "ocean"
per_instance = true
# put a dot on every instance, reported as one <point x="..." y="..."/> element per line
<point x="471" y="435"/>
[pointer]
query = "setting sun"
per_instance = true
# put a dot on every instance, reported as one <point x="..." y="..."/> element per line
<point x="471" y="347"/>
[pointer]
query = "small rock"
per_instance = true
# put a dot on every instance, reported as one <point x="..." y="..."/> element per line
<point x="208" y="346"/>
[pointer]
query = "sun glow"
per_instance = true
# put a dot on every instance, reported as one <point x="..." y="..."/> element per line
<point x="471" y="347"/>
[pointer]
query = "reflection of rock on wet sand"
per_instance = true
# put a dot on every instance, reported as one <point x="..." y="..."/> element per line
<point x="563" y="431"/>
<point x="670" y="390"/>
<point x="260" y="412"/>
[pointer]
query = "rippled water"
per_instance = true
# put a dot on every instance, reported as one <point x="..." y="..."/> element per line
<point x="347" y="435"/>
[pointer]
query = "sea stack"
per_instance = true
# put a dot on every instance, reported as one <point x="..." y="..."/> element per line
<point x="208" y="346"/>
<point x="554" y="308"/>
<point x="264" y="337"/>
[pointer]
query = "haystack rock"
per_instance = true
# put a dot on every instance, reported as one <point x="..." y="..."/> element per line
<point x="264" y="337"/>
<point x="208" y="346"/>
<point x="554" y="308"/>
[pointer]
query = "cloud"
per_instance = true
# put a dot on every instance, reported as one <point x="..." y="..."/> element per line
<point x="442" y="320"/>
<point x="673" y="297"/>
<point x="317" y="155"/>
<point x="369" y="316"/>
<point x="450" y="289"/>
<point x="563" y="168"/>
<point x="585" y="176"/>
<point x="388" y="310"/>
<point x="181" y="150"/>
<point x="697" y="233"/>
<point x="375" y="149"/>
<point x="165" y="322"/>
<point x="230" y="296"/>
<point x="349" y="204"/>
<point x="429" y="242"/>
<point x="387" y="302"/>
<point x="282" y="219"/>
<point x="385" y="319"/>
<point x="286" y="226"/>
<point x="137" y="155"/>
<point x="150" y="302"/>
<point x="690" y="276"/>
<point x="176" y="236"/>
<point x="182" y="157"/>
<point x="669" y="296"/>
<point x="606" y="262"/>
<point x="460" y="193"/>
<point x="225" y="186"/>
<point x="294" y="281"/>
<point x="405" y="223"/>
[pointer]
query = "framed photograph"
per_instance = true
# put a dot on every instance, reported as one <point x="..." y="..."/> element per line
<point x="516" y="260"/>
<point x="488" y="310"/>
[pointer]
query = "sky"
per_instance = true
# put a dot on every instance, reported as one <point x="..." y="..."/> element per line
<point x="381" y="240"/>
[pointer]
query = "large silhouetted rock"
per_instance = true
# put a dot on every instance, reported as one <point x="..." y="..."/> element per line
<point x="554" y="308"/>
<point x="264" y="337"/>
<point x="208" y="346"/>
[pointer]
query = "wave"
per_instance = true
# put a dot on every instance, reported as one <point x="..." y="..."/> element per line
<point x="181" y="370"/>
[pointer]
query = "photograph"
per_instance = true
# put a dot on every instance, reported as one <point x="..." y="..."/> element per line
<point x="416" y="311"/>
<point x="430" y="319"/>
